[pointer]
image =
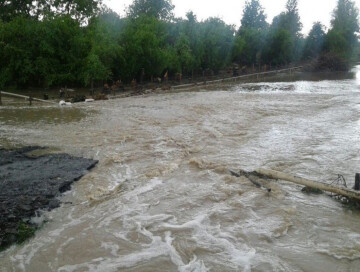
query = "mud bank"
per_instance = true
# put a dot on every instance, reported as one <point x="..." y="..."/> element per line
<point x="31" y="183"/>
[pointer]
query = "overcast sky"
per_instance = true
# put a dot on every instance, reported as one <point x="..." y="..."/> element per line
<point x="231" y="10"/>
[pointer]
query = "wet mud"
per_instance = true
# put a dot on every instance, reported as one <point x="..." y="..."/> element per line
<point x="29" y="184"/>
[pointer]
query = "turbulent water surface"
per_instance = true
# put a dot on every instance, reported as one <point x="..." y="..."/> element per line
<point x="161" y="198"/>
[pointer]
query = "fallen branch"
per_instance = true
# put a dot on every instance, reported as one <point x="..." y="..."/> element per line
<point x="254" y="177"/>
<point x="27" y="97"/>
<point x="309" y="183"/>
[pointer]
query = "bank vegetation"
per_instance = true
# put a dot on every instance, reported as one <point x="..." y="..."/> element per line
<point x="55" y="43"/>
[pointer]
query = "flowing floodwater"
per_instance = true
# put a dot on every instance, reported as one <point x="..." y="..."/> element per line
<point x="161" y="198"/>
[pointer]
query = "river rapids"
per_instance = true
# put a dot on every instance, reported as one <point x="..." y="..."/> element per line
<point x="161" y="197"/>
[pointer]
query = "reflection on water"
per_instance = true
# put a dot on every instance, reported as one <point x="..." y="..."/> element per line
<point x="161" y="198"/>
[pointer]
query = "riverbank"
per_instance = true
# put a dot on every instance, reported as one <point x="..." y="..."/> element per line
<point x="288" y="74"/>
<point x="30" y="184"/>
<point x="133" y="89"/>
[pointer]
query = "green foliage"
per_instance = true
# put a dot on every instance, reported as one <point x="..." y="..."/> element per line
<point x="315" y="41"/>
<point x="14" y="8"/>
<point x="160" y="9"/>
<point x="144" y="46"/>
<point x="217" y="39"/>
<point x="346" y="17"/>
<point x="249" y="42"/>
<point x="104" y="50"/>
<point x="238" y="49"/>
<point x="336" y="43"/>
<point x="18" y="45"/>
<point x="183" y="50"/>
<point x="81" y="10"/>
<point x="253" y="16"/>
<point x="249" y="46"/>
<point x="289" y="20"/>
<point x="292" y="18"/>
<point x="25" y="232"/>
<point x="280" y="47"/>
<point x="341" y="40"/>
<point x="64" y="46"/>
<point x="41" y="53"/>
<point x="48" y="43"/>
<point x="285" y="31"/>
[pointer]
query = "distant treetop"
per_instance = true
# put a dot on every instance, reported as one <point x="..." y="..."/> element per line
<point x="346" y="16"/>
<point x="160" y="9"/>
<point x="253" y="15"/>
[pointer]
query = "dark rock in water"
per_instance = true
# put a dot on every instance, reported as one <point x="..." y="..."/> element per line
<point x="8" y="155"/>
<point x="29" y="183"/>
<point x="78" y="98"/>
<point x="310" y="190"/>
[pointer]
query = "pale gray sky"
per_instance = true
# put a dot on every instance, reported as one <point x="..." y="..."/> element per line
<point x="231" y="10"/>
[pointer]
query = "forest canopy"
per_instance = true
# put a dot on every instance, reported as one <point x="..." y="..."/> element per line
<point x="49" y="43"/>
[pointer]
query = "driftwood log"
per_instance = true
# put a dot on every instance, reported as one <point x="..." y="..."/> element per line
<point x="309" y="183"/>
<point x="26" y="97"/>
<point x="254" y="177"/>
<point x="259" y="177"/>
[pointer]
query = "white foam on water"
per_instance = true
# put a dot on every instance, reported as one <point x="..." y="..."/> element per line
<point x="112" y="247"/>
<point x="59" y="251"/>
<point x="121" y="176"/>
<point x="24" y="257"/>
<point x="149" y="186"/>
<point x="349" y="249"/>
<point x="208" y="237"/>
<point x="158" y="247"/>
<point x="193" y="265"/>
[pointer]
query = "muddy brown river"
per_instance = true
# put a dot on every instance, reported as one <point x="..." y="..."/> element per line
<point x="161" y="198"/>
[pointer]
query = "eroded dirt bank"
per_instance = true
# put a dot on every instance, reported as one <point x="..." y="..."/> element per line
<point x="32" y="183"/>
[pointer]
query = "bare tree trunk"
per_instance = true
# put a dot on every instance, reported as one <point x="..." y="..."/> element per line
<point x="309" y="183"/>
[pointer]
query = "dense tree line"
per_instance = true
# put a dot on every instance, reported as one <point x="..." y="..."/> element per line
<point x="48" y="43"/>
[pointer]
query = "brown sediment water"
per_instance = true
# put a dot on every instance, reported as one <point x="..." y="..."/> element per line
<point x="161" y="198"/>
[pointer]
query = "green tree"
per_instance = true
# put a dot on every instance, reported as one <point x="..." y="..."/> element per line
<point x="253" y="16"/>
<point x="217" y="39"/>
<point x="192" y="30"/>
<point x="105" y="54"/>
<point x="187" y="61"/>
<point x="341" y="40"/>
<point x="285" y="24"/>
<point x="250" y="37"/>
<point x="160" y="9"/>
<point x="81" y="10"/>
<point x="41" y="53"/>
<point x="292" y="18"/>
<point x="346" y="17"/>
<point x="67" y="38"/>
<point x="315" y="41"/>
<point x="14" y="8"/>
<point x="280" y="47"/>
<point x="19" y="45"/>
<point x="144" y="46"/>
<point x="249" y="46"/>
<point x="289" y="20"/>
<point x="238" y="49"/>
